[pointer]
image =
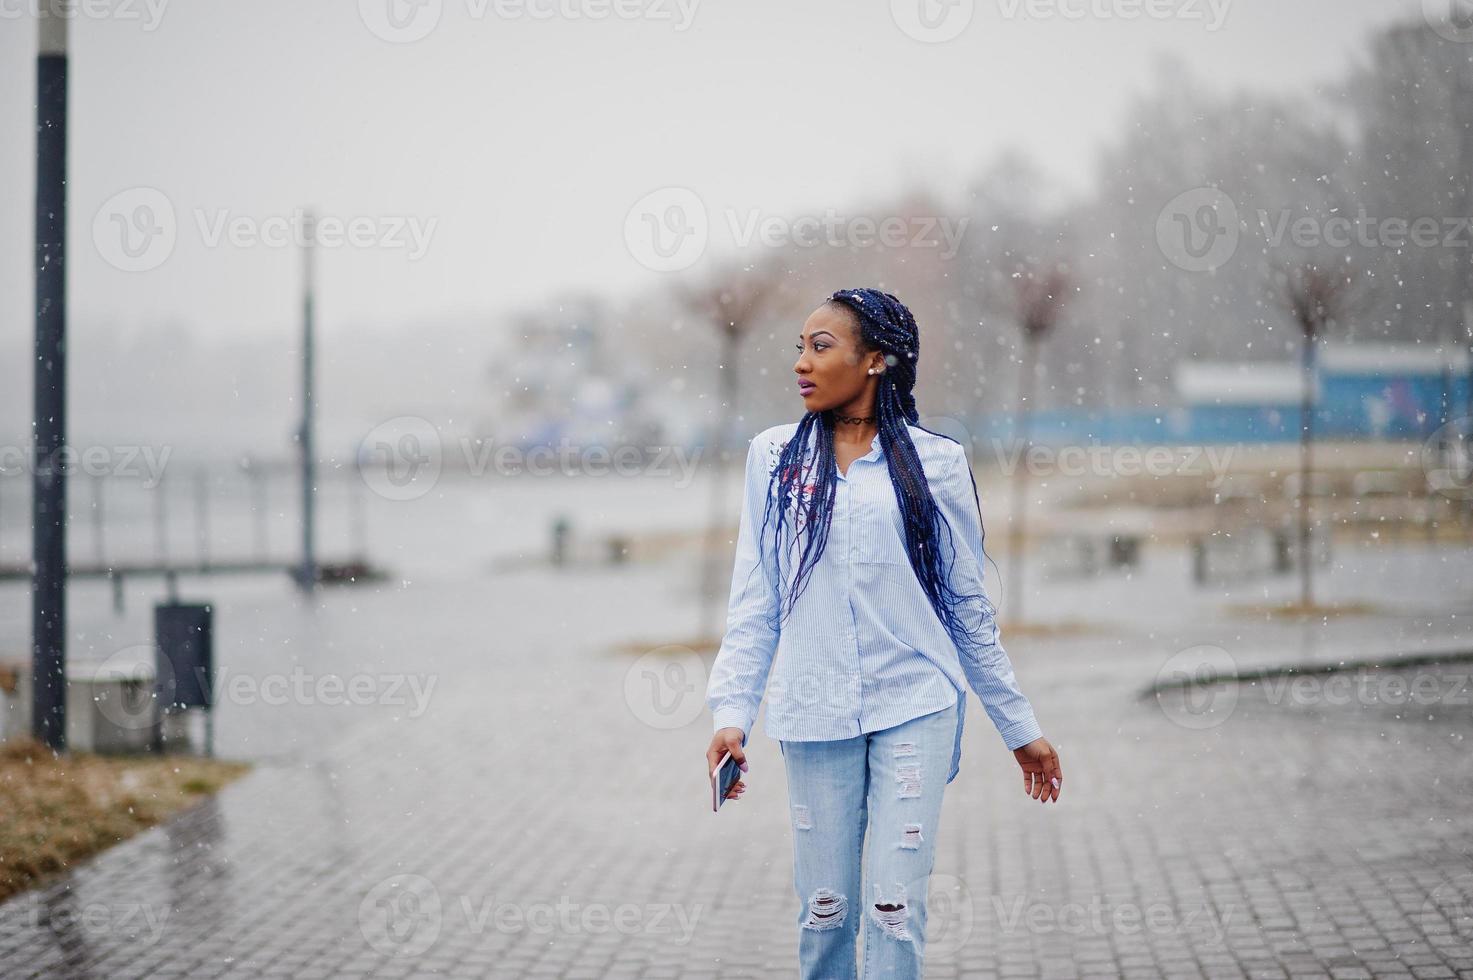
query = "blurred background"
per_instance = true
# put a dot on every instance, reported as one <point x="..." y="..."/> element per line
<point x="420" y="344"/>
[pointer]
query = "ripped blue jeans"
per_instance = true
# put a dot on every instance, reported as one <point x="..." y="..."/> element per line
<point x="890" y="782"/>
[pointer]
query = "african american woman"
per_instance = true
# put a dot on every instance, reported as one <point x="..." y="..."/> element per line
<point x="865" y="604"/>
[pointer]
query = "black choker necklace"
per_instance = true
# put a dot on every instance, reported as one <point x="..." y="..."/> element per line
<point x="853" y="420"/>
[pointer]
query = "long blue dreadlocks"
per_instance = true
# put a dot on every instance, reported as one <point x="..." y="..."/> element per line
<point x="807" y="483"/>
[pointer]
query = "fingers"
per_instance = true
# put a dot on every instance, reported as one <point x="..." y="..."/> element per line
<point x="1055" y="774"/>
<point x="734" y="746"/>
<point x="737" y="789"/>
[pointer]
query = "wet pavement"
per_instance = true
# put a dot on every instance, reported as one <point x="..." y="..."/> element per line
<point x="509" y="796"/>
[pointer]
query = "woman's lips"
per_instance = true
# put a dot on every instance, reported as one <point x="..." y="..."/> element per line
<point x="804" y="387"/>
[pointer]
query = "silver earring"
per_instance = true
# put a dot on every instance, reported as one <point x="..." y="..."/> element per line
<point x="871" y="370"/>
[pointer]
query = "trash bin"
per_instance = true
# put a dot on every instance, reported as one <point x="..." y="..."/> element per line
<point x="184" y="652"/>
<point x="184" y="634"/>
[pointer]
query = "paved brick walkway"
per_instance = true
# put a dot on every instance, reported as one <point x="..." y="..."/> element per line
<point x="544" y="816"/>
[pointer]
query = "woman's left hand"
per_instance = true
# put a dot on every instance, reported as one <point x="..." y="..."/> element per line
<point x="1042" y="778"/>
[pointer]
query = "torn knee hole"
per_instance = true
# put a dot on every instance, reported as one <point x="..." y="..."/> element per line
<point x="910" y="837"/>
<point x="905" y="750"/>
<point x="826" y="909"/>
<point x="909" y="779"/>
<point x="801" y="818"/>
<point x="892" y="916"/>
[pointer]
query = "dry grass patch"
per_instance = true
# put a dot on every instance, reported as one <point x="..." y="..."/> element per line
<point x="675" y="647"/>
<point x="1294" y="609"/>
<point x="58" y="811"/>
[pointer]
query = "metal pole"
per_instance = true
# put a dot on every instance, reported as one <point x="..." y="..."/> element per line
<point x="48" y="508"/>
<point x="1306" y="467"/>
<point x="307" y="578"/>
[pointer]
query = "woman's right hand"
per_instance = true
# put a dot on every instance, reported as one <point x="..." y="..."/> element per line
<point x="724" y="741"/>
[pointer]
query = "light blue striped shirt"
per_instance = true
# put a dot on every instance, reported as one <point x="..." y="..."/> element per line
<point x="862" y="649"/>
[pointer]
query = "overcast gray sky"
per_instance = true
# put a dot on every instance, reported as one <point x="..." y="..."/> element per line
<point x="517" y="144"/>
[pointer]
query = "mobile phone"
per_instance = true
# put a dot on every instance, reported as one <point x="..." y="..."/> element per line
<point x="723" y="777"/>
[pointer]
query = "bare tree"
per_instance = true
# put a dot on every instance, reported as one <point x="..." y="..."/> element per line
<point x="1039" y="299"/>
<point x="1316" y="295"/>
<point x="732" y="301"/>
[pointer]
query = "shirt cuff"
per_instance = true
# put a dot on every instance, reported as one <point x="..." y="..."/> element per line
<point x="728" y="717"/>
<point x="1018" y="735"/>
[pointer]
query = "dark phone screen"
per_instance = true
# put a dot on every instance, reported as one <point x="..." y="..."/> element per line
<point x="727" y="778"/>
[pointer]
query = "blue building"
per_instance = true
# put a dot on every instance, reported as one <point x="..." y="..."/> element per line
<point x="1362" y="391"/>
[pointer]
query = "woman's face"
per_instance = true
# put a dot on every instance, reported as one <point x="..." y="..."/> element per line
<point x="832" y="371"/>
